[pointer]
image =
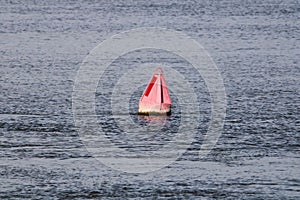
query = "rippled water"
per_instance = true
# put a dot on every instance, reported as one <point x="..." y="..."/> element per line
<point x="255" y="44"/>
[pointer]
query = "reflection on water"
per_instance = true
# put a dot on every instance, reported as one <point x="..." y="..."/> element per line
<point x="160" y="120"/>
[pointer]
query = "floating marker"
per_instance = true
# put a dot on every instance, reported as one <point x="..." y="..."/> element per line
<point x="156" y="99"/>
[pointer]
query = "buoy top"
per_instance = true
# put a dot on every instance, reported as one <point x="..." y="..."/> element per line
<point x="157" y="90"/>
<point x="158" y="70"/>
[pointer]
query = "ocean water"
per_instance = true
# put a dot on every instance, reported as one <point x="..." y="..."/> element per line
<point x="254" y="44"/>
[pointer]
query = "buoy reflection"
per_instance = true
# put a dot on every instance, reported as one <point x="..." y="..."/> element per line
<point x="155" y="119"/>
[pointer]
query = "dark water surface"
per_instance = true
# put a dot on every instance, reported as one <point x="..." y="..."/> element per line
<point x="256" y="46"/>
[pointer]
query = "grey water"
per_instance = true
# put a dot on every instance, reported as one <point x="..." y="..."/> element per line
<point x="254" y="44"/>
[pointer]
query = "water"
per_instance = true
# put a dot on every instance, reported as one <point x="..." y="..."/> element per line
<point x="255" y="45"/>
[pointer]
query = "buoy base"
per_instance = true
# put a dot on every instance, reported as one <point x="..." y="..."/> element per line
<point x="164" y="109"/>
<point x="150" y="113"/>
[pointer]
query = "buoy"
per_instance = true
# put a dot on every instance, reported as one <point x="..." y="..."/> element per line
<point x="156" y="99"/>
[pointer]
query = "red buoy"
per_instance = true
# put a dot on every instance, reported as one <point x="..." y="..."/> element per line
<point x="156" y="98"/>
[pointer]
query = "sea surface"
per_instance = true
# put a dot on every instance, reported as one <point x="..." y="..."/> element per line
<point x="254" y="44"/>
